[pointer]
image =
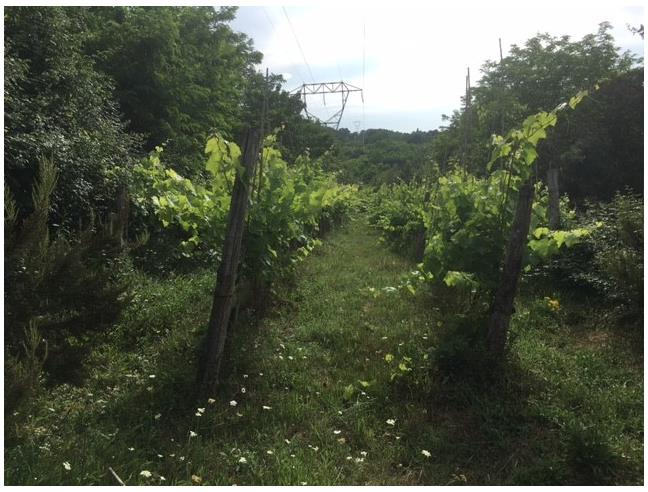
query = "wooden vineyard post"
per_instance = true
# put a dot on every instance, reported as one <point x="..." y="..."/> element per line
<point x="505" y="294"/>
<point x="214" y="345"/>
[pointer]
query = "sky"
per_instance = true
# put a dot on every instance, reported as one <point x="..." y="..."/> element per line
<point x="410" y="60"/>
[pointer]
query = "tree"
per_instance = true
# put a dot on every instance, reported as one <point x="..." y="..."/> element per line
<point x="180" y="73"/>
<point x="534" y="77"/>
<point x="57" y="105"/>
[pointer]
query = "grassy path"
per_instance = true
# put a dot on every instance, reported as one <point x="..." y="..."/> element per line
<point x="322" y="356"/>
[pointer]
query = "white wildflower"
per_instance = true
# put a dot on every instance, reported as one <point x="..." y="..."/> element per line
<point x="233" y="403"/>
<point x="266" y="407"/>
<point x="67" y="465"/>
<point x="146" y="473"/>
<point x="425" y="453"/>
<point x="269" y="451"/>
<point x="243" y="390"/>
<point x="211" y="401"/>
<point x="336" y="432"/>
<point x="192" y="434"/>
<point x="242" y="460"/>
<point x="391" y="421"/>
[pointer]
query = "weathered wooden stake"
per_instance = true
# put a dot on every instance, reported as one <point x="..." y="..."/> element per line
<point x="505" y="294"/>
<point x="214" y="347"/>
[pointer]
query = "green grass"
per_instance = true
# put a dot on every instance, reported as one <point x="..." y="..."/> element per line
<point x="569" y="409"/>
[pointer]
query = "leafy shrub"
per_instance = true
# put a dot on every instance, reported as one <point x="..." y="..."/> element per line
<point x="288" y="206"/>
<point x="608" y="263"/>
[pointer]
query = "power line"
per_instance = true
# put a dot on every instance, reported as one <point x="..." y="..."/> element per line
<point x="272" y="26"/>
<point x="298" y="44"/>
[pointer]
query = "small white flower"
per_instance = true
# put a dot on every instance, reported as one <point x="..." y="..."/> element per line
<point x="363" y="453"/>
<point x="131" y="449"/>
<point x="336" y="432"/>
<point x="290" y="357"/>
<point x="151" y="376"/>
<point x="192" y="434"/>
<point x="269" y="451"/>
<point x="157" y="416"/>
<point x="292" y="455"/>
<point x="242" y="460"/>
<point x="359" y="460"/>
<point x="201" y="410"/>
<point x="146" y="473"/>
<point x="211" y="401"/>
<point x="233" y="403"/>
<point x="349" y="458"/>
<point x="198" y="414"/>
<point x="261" y="374"/>
<point x="239" y="414"/>
<point x="162" y="479"/>
<point x="181" y="458"/>
<point x="391" y="421"/>
<point x="286" y="441"/>
<point x="245" y="376"/>
<point x="266" y="407"/>
<point x="425" y="453"/>
<point x="243" y="390"/>
<point x="339" y="412"/>
<point x="67" y="465"/>
<point x="160" y="455"/>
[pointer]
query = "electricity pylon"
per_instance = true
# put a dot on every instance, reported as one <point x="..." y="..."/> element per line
<point x="327" y="88"/>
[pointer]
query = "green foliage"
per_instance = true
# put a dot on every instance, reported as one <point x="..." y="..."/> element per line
<point x="466" y="219"/>
<point x="286" y="213"/>
<point x="57" y="105"/>
<point x="598" y="148"/>
<point x="180" y="73"/>
<point x="609" y="262"/>
<point x="377" y="157"/>
<point x="63" y="288"/>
